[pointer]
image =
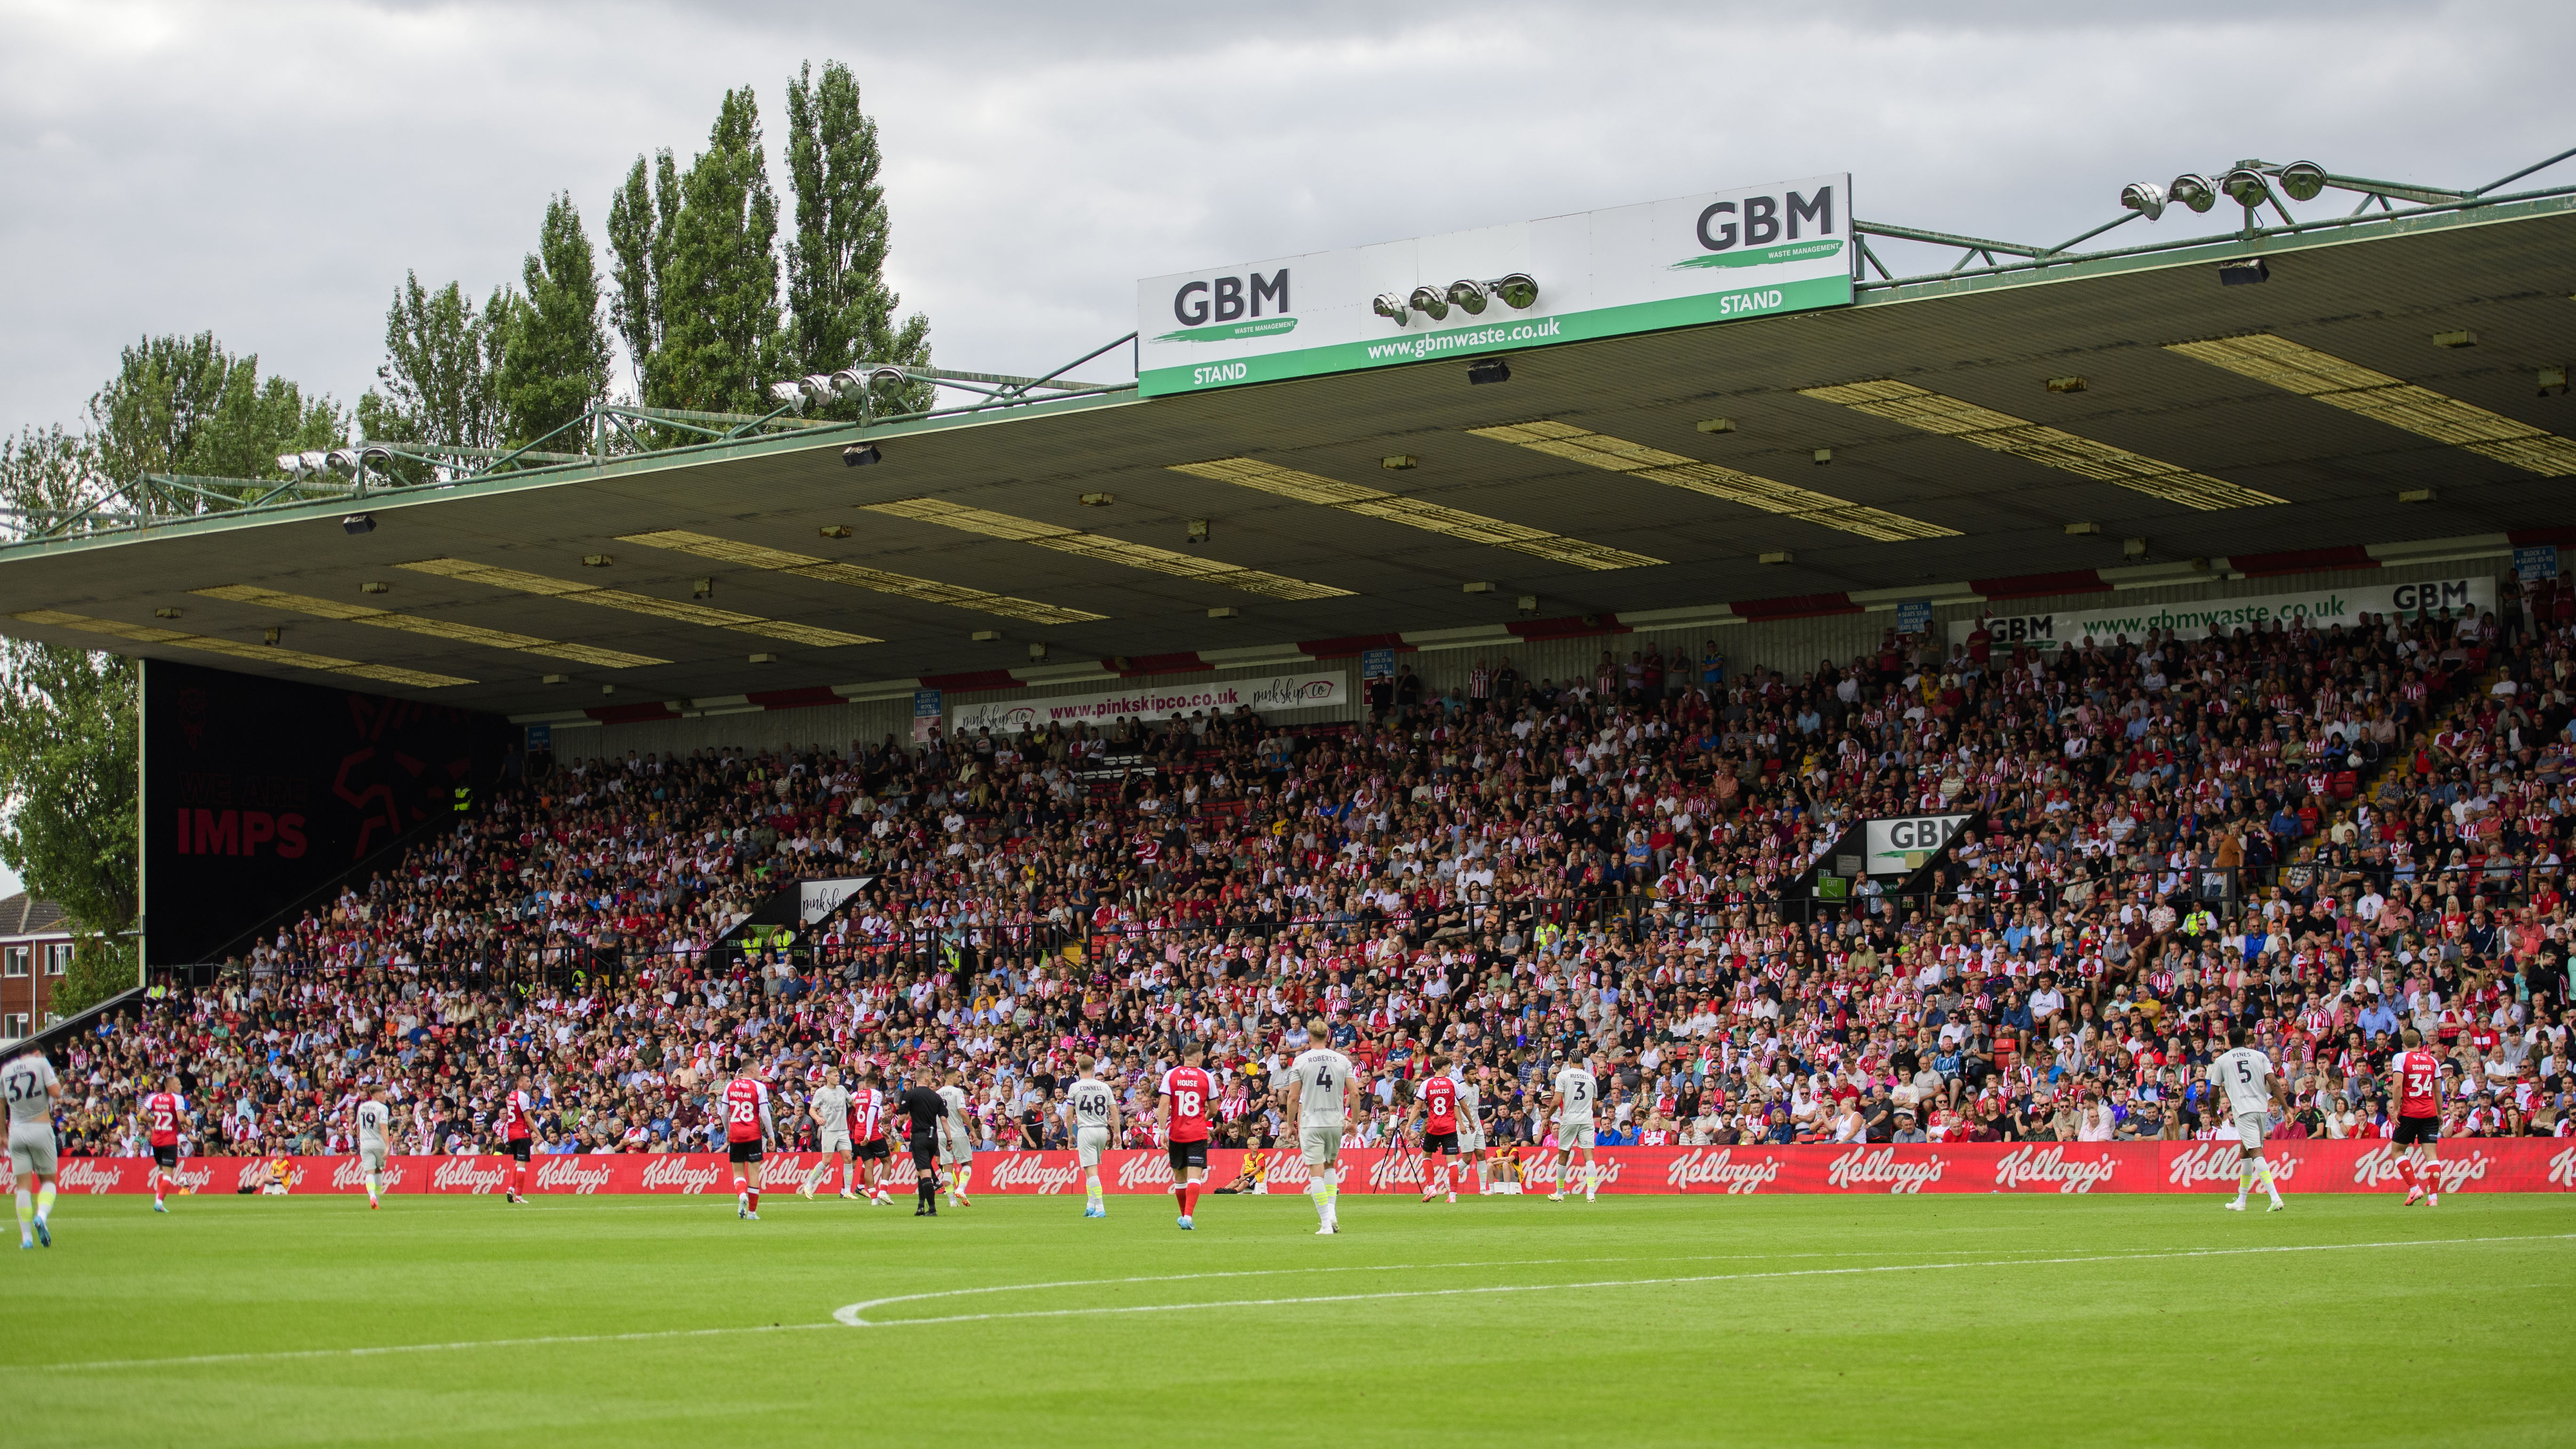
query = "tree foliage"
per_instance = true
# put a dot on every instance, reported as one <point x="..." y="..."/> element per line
<point x="68" y="761"/>
<point x="841" y="310"/>
<point x="439" y="380"/>
<point x="555" y="361"/>
<point x="184" y="405"/>
<point x="696" y="259"/>
<point x="721" y="347"/>
<point x="642" y="218"/>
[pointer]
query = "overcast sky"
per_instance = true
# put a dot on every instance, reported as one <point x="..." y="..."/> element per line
<point x="270" y="170"/>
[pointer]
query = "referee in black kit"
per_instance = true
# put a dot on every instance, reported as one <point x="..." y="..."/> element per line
<point x="924" y="1107"/>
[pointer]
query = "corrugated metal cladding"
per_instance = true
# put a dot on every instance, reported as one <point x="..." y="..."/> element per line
<point x="839" y="726"/>
<point x="1797" y="646"/>
<point x="1792" y="646"/>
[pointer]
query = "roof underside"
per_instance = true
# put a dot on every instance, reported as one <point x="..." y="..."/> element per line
<point x="2374" y="302"/>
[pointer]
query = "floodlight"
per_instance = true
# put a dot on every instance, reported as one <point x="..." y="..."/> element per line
<point x="1519" y="291"/>
<point x="2303" y="180"/>
<point x="290" y="463"/>
<point x="1430" y="301"/>
<point x="311" y="462"/>
<point x="860" y="455"/>
<point x="817" y="387"/>
<point x="2248" y="187"/>
<point x="1469" y="296"/>
<point x="358" y="523"/>
<point x="789" y="394"/>
<point x="2193" y="190"/>
<point x="1490" y="370"/>
<point x="2144" y="196"/>
<point x="2244" y="273"/>
<point x="1390" y="306"/>
<point x="341" y="460"/>
<point x="850" y="380"/>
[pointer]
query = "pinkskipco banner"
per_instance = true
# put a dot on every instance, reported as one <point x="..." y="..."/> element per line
<point x="2469" y="1164"/>
<point x="1261" y="696"/>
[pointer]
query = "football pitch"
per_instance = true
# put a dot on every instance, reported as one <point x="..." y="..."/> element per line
<point x="2006" y="1319"/>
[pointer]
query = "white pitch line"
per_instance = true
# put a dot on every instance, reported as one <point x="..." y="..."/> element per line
<point x="295" y="1353"/>
<point x="849" y="1316"/>
<point x="854" y="1315"/>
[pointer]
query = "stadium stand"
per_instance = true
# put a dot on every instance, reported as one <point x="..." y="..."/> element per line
<point x="1517" y="869"/>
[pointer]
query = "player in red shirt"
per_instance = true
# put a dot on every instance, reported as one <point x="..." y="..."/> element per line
<point x="1182" y="1115"/>
<point x="869" y="1105"/>
<point x="163" y="1112"/>
<point x="2415" y="1079"/>
<point x="1437" y="1098"/>
<point x="747" y="1129"/>
<point x="518" y="1114"/>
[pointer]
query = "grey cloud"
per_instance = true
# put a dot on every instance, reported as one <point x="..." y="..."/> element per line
<point x="270" y="170"/>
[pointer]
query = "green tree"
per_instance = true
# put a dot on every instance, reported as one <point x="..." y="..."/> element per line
<point x="840" y="307"/>
<point x="67" y="776"/>
<point x="721" y="346"/>
<point x="554" y="366"/>
<point x="441" y="364"/>
<point x="184" y="405"/>
<point x="641" y="219"/>
<point x="46" y="473"/>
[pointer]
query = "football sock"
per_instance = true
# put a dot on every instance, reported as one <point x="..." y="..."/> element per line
<point x="1315" y="1189"/>
<point x="26" y="1213"/>
<point x="372" y="1188"/>
<point x="1181" y="1197"/>
<point x="2263" y="1178"/>
<point x="1091" y="1183"/>
<point x="1190" y="1199"/>
<point x="2244" y="1178"/>
<point x="44" y="1201"/>
<point x="965" y="1175"/>
<point x="755" y="1199"/>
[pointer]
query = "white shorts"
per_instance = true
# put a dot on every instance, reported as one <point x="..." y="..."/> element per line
<point x="2249" y="1130"/>
<point x="31" y="1148"/>
<point x="835" y="1142"/>
<point x="372" y="1159"/>
<point x="956" y="1151"/>
<point x="1470" y="1142"/>
<point x="1320" y="1146"/>
<point x="1574" y="1136"/>
<point x="1089" y="1143"/>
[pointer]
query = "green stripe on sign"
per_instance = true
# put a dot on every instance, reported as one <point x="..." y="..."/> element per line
<point x="1231" y="331"/>
<point x="1492" y="335"/>
<point x="1762" y="258"/>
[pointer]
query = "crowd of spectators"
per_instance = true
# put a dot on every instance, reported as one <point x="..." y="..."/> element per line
<point x="2324" y="835"/>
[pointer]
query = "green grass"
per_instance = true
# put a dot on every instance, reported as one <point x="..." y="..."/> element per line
<point x="2167" y="1333"/>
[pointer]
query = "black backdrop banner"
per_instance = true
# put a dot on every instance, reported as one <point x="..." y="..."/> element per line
<point x="257" y="792"/>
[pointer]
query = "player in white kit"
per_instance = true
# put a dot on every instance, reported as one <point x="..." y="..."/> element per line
<point x="1471" y="1128"/>
<point x="2245" y="1077"/>
<point x="957" y="1139"/>
<point x="31" y="1088"/>
<point x="1095" y="1126"/>
<point x="830" y="1109"/>
<point x="1318" y="1087"/>
<point x="1576" y="1092"/>
<point x="375" y="1143"/>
